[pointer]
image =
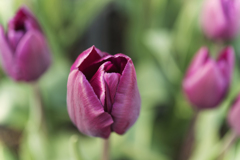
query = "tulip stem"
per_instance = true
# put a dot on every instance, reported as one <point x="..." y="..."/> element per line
<point x="230" y="140"/>
<point x="189" y="140"/>
<point x="106" y="149"/>
<point x="39" y="106"/>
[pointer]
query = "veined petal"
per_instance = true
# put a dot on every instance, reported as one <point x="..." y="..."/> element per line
<point x="98" y="84"/>
<point x="111" y="80"/>
<point x="127" y="103"/>
<point x="84" y="107"/>
<point x="32" y="51"/>
<point x="118" y="63"/>
<point x="89" y="56"/>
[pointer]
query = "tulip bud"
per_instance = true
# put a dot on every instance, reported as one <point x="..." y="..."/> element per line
<point x="234" y="116"/>
<point x="207" y="80"/>
<point x="102" y="93"/>
<point x="220" y="19"/>
<point x="23" y="49"/>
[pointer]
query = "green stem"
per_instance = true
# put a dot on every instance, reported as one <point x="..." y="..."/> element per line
<point x="74" y="148"/>
<point x="106" y="149"/>
<point x="189" y="140"/>
<point x="230" y="140"/>
<point x="37" y="109"/>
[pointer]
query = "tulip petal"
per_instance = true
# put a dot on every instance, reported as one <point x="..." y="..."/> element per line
<point x="84" y="107"/>
<point x="226" y="5"/>
<point x="213" y="19"/>
<point x="32" y="51"/>
<point x="206" y="87"/>
<point x="105" y="84"/>
<point x="111" y="80"/>
<point x="126" y="107"/>
<point x="98" y="84"/>
<point x="89" y="56"/>
<point x="226" y="63"/>
<point x="198" y="61"/>
<point x="117" y="65"/>
<point x="14" y="37"/>
<point x="220" y="18"/>
<point x="6" y="53"/>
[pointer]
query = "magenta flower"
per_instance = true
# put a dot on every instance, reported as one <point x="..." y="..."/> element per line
<point x="23" y="49"/>
<point x="102" y="93"/>
<point x="220" y="19"/>
<point x="234" y="116"/>
<point x="207" y="80"/>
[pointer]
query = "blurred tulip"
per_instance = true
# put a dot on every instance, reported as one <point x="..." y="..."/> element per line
<point x="24" y="52"/>
<point x="102" y="93"/>
<point x="220" y="19"/>
<point x="234" y="116"/>
<point x="207" y="81"/>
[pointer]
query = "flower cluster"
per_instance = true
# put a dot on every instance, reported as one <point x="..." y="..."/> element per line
<point x="102" y="91"/>
<point x="207" y="81"/>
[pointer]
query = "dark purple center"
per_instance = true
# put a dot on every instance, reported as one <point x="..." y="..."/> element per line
<point x="17" y="29"/>
<point x="19" y="26"/>
<point x="117" y="66"/>
<point x="19" y="21"/>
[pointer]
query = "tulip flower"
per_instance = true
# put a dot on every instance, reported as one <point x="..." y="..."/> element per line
<point x="207" y="80"/>
<point x="220" y="19"/>
<point x="23" y="49"/>
<point x="234" y="116"/>
<point x="102" y="93"/>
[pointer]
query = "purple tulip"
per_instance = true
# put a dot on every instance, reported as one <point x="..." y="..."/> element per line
<point x="234" y="116"/>
<point x="207" y="80"/>
<point x="102" y="93"/>
<point x="220" y="19"/>
<point x="23" y="49"/>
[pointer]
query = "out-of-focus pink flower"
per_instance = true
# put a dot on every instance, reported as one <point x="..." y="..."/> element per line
<point x="220" y="19"/>
<point x="102" y="93"/>
<point x="23" y="49"/>
<point x="207" y="80"/>
<point x="234" y="116"/>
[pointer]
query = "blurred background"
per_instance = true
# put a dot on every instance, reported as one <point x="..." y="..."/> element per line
<point x="161" y="36"/>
